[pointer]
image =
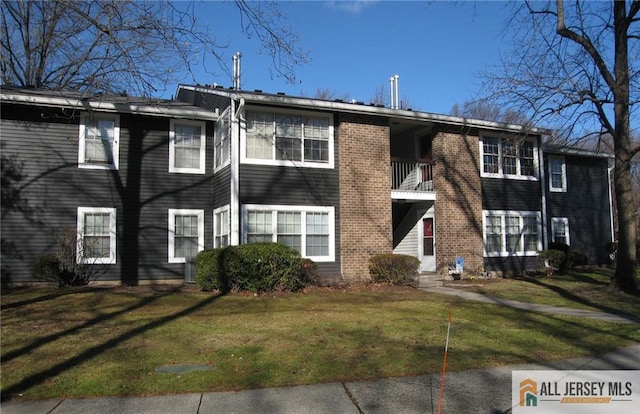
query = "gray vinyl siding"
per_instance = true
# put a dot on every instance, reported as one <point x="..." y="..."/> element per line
<point x="587" y="206"/>
<point x="509" y="194"/>
<point x="511" y="265"/>
<point x="52" y="187"/>
<point x="222" y="187"/>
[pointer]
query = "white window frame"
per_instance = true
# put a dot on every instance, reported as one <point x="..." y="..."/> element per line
<point x="85" y="120"/>
<point x="274" y="209"/>
<point x="82" y="211"/>
<point x="565" y="223"/>
<point x="500" y="174"/>
<point x="222" y="142"/>
<point x="563" y="187"/>
<point x="172" y="229"/>
<point x="503" y="214"/>
<point x="172" y="146"/>
<point x="329" y="164"/>
<point x="217" y="229"/>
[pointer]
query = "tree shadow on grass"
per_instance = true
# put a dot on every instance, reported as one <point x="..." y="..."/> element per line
<point x="90" y="353"/>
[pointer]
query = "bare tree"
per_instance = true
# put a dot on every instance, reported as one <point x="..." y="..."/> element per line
<point x="489" y="111"/>
<point x="576" y="68"/>
<point x="126" y="45"/>
<point x="329" y="95"/>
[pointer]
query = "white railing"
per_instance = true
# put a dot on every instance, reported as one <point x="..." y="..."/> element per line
<point x="411" y="176"/>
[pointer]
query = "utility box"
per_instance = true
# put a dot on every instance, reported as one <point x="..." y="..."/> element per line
<point x="190" y="270"/>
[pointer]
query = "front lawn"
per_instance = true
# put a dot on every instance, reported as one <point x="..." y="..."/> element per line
<point x="86" y="342"/>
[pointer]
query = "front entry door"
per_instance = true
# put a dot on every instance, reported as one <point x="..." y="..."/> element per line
<point x="427" y="244"/>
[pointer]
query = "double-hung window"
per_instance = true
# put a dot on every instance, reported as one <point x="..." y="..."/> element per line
<point x="509" y="233"/>
<point x="221" y="227"/>
<point x="557" y="174"/>
<point x="99" y="141"/>
<point x="508" y="158"/>
<point x="96" y="241"/>
<point x="560" y="230"/>
<point x="308" y="229"/>
<point x="186" y="234"/>
<point x="288" y="138"/>
<point x="187" y="141"/>
<point x="221" y="141"/>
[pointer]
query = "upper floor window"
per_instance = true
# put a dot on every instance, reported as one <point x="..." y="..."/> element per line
<point x="187" y="142"/>
<point x="99" y="141"/>
<point x="557" y="174"/>
<point x="509" y="233"/>
<point x="287" y="138"/>
<point x="96" y="242"/>
<point x="560" y="230"/>
<point x="221" y="142"/>
<point x="508" y="157"/>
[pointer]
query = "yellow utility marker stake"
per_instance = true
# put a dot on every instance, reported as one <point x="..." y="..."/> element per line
<point x="444" y="364"/>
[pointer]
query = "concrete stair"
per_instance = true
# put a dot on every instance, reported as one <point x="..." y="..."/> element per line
<point x="426" y="280"/>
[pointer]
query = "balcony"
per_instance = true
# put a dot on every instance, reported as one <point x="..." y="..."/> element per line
<point x="412" y="180"/>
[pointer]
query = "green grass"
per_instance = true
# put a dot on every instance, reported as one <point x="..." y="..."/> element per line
<point x="109" y="342"/>
<point x="573" y="290"/>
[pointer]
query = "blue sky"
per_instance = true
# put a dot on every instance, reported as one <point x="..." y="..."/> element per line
<point x="437" y="48"/>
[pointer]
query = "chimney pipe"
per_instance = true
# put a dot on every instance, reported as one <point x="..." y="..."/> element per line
<point x="236" y="70"/>
<point x="391" y="89"/>
<point x="397" y="105"/>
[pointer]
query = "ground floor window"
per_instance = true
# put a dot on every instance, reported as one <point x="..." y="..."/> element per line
<point x="560" y="230"/>
<point x="221" y="227"/>
<point x="308" y="229"/>
<point x="96" y="235"/>
<point x="186" y="234"/>
<point x="508" y="233"/>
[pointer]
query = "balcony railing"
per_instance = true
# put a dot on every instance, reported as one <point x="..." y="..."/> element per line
<point x="411" y="176"/>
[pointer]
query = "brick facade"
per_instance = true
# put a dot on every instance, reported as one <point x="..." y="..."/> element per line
<point x="365" y="193"/>
<point x="458" y="205"/>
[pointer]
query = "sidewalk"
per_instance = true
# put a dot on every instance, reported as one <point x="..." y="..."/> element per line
<point x="475" y="391"/>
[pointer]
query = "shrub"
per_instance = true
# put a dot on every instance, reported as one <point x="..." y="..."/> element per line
<point x="47" y="268"/>
<point x="566" y="249"/>
<point x="209" y="274"/>
<point x="551" y="259"/>
<point x="263" y="267"/>
<point x="397" y="269"/>
<point x="309" y="268"/>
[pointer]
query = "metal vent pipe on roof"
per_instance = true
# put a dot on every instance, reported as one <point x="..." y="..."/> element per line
<point x="393" y="88"/>
<point x="236" y="70"/>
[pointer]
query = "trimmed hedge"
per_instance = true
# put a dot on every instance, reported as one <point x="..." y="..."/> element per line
<point x="397" y="269"/>
<point x="253" y="267"/>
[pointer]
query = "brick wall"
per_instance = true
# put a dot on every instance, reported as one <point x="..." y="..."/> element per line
<point x="458" y="205"/>
<point x="365" y="193"/>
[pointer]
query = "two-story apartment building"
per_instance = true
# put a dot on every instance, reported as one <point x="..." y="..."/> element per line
<point x="151" y="182"/>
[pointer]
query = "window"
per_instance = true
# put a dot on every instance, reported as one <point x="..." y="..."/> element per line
<point x="96" y="235"/>
<point x="509" y="233"/>
<point x="221" y="140"/>
<point x="508" y="158"/>
<point x="187" y="141"/>
<point x="221" y="227"/>
<point x="560" y="230"/>
<point x="186" y="234"/>
<point x="310" y="230"/>
<point x="99" y="141"/>
<point x="284" y="138"/>
<point x="557" y="174"/>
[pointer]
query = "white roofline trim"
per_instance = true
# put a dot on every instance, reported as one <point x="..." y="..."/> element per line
<point x="87" y="104"/>
<point x="310" y="103"/>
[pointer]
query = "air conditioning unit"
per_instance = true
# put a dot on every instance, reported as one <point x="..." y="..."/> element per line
<point x="190" y="270"/>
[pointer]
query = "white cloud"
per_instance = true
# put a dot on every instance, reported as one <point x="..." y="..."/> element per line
<point x="350" y="6"/>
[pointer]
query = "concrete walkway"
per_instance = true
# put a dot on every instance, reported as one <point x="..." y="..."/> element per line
<point x="533" y="307"/>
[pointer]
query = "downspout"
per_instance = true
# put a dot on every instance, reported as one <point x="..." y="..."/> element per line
<point x="234" y="202"/>
<point x="609" y="171"/>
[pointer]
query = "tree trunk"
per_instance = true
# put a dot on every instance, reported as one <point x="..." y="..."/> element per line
<point x="624" y="277"/>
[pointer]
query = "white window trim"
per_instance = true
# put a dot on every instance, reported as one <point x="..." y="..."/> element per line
<point x="172" y="230"/>
<point x="562" y="189"/>
<point x="80" y="235"/>
<point x="287" y="163"/>
<point x="225" y="116"/>
<point x="501" y="174"/>
<point x="565" y="222"/>
<point x="84" y="117"/>
<point x="224" y="209"/>
<point x="503" y="214"/>
<point x="274" y="209"/>
<point x="172" y="148"/>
